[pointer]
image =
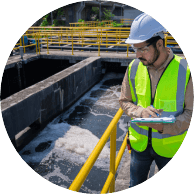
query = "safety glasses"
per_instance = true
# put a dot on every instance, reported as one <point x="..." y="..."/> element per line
<point x="142" y="50"/>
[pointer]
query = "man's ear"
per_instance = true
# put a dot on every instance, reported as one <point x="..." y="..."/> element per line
<point x="159" y="44"/>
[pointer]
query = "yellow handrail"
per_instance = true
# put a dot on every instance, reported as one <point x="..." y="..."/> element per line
<point x="118" y="159"/>
<point x="93" y="36"/>
<point x="91" y="23"/>
<point x="81" y="176"/>
<point x="126" y="21"/>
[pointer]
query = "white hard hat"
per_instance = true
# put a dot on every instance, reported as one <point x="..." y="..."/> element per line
<point x="143" y="28"/>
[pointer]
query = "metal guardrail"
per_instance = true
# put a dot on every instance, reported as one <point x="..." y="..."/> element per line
<point x="102" y="38"/>
<point x="103" y="23"/>
<point x="126" y="21"/>
<point x="77" y="30"/>
<point x="22" y="44"/>
<point x="84" y="36"/>
<point x="114" y="161"/>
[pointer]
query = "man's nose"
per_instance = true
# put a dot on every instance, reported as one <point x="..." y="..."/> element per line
<point x="138" y="54"/>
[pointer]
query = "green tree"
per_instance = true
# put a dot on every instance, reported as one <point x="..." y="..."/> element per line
<point x="45" y="22"/>
<point x="56" y="22"/>
<point x="60" y="12"/>
<point x="95" y="12"/>
<point x="56" y="16"/>
<point x="107" y="14"/>
<point x="80" y="20"/>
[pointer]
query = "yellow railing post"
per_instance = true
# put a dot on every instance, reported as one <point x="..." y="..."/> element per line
<point x="35" y="38"/>
<point x="81" y="176"/>
<point x="59" y="40"/>
<point x="79" y="36"/>
<point x="39" y="43"/>
<point x="101" y="35"/>
<point x="47" y="45"/>
<point x="72" y="40"/>
<point x="97" y="35"/>
<point x="61" y="35"/>
<point x="116" y="35"/>
<point x="118" y="159"/>
<point x="24" y="44"/>
<point x="82" y="37"/>
<point x="113" y="157"/>
<point x="67" y="36"/>
<point x="119" y="35"/>
<point x="99" y="48"/>
<point x="106" y="41"/>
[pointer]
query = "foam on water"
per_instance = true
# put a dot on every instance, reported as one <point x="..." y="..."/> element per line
<point x="80" y="141"/>
<point x="51" y="133"/>
<point x="74" y="143"/>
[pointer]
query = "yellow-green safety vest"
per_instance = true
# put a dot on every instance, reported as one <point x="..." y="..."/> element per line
<point x="169" y="96"/>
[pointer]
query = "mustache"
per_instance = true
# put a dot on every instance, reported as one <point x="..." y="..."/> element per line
<point x="142" y="59"/>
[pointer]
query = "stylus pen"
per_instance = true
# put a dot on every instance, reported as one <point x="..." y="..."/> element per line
<point x="155" y="112"/>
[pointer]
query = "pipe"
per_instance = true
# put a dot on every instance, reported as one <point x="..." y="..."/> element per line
<point x="78" y="15"/>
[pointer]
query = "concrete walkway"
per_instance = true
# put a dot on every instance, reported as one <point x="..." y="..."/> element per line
<point x="123" y="178"/>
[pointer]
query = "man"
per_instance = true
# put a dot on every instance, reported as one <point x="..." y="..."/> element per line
<point x="156" y="82"/>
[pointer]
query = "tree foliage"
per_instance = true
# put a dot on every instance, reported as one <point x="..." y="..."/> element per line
<point x="107" y="14"/>
<point x="46" y="20"/>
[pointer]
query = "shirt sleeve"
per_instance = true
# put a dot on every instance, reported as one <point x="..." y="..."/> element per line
<point x="182" y="121"/>
<point x="126" y="102"/>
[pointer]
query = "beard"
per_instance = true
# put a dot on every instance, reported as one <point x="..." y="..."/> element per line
<point x="150" y="62"/>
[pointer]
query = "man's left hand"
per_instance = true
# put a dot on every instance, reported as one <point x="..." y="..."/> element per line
<point x="157" y="126"/>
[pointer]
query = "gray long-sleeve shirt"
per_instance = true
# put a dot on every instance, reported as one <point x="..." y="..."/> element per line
<point x="182" y="121"/>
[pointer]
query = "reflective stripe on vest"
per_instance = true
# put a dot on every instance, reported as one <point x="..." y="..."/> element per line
<point x="164" y="144"/>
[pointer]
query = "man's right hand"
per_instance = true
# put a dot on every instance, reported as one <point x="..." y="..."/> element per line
<point x="150" y="111"/>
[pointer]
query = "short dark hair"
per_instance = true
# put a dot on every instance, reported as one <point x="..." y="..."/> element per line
<point x="154" y="40"/>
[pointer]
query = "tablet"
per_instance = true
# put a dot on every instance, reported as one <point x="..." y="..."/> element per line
<point x="170" y="119"/>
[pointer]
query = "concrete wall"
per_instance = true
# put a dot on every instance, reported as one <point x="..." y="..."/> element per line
<point x="131" y="13"/>
<point x="85" y="13"/>
<point x="49" y="97"/>
<point x="85" y="8"/>
<point x="118" y="11"/>
<point x="70" y="13"/>
<point x="22" y="75"/>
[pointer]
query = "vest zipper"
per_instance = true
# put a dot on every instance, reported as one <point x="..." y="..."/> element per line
<point x="152" y="100"/>
<point x="150" y="129"/>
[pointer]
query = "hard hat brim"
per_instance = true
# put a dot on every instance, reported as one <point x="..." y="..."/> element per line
<point x="132" y="41"/>
<point x="136" y="41"/>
